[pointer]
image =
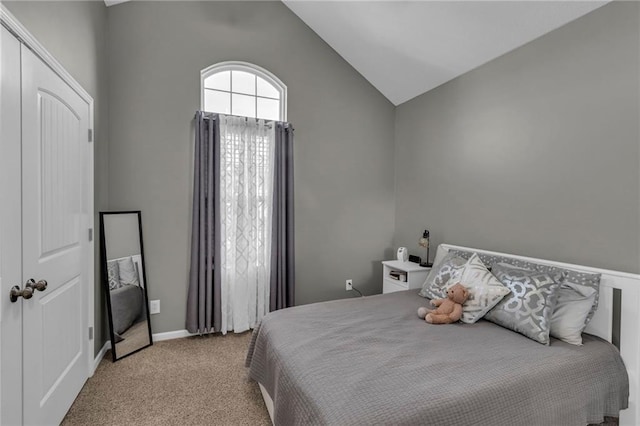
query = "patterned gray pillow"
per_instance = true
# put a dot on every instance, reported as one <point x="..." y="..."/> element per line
<point x="449" y="269"/>
<point x="560" y="275"/>
<point x="113" y="274"/>
<point x="528" y="308"/>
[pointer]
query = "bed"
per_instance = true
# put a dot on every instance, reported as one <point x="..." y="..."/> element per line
<point x="126" y="294"/>
<point x="371" y="360"/>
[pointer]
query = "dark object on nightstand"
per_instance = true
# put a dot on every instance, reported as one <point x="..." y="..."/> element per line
<point x="415" y="259"/>
<point x="424" y="242"/>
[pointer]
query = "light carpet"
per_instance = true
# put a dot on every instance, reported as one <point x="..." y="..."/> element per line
<point x="190" y="381"/>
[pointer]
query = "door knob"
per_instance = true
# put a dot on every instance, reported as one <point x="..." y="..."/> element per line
<point x="29" y="288"/>
<point x="40" y="285"/>
<point x="27" y="293"/>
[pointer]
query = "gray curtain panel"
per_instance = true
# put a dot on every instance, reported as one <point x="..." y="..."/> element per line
<point x="282" y="243"/>
<point x="203" y="299"/>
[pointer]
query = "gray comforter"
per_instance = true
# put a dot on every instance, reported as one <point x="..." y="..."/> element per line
<point x="373" y="361"/>
<point x="126" y="306"/>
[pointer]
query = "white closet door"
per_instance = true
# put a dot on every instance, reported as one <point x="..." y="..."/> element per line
<point x="10" y="232"/>
<point x="55" y="122"/>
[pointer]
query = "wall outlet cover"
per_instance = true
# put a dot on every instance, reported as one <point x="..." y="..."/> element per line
<point x="154" y="307"/>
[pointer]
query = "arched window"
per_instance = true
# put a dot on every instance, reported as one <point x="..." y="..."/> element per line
<point x="240" y="88"/>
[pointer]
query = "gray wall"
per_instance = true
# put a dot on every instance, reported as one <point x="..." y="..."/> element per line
<point x="534" y="153"/>
<point x="343" y="142"/>
<point x="121" y="235"/>
<point x="75" y="34"/>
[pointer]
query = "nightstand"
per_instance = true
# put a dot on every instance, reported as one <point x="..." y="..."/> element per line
<point x="416" y="275"/>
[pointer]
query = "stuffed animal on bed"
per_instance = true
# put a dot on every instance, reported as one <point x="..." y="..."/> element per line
<point x="447" y="310"/>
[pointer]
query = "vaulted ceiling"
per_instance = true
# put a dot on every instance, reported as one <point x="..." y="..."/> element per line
<point x="406" y="48"/>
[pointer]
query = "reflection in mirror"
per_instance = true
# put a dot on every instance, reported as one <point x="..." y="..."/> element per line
<point x="124" y="280"/>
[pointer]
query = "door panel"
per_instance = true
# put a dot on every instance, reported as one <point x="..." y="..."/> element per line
<point x="60" y="150"/>
<point x="62" y="346"/>
<point x="55" y="247"/>
<point x="10" y="231"/>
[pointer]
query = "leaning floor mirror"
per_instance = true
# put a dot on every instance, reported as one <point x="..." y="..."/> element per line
<point x="125" y="282"/>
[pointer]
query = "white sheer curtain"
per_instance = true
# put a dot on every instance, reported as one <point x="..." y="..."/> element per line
<point x="246" y="192"/>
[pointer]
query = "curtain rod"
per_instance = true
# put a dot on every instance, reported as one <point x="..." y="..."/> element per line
<point x="209" y="114"/>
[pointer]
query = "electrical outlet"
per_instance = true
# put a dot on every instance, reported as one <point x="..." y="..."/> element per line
<point x="349" y="285"/>
<point x="154" y="307"/>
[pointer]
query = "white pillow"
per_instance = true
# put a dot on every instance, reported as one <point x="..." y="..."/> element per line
<point x="571" y="311"/>
<point x="128" y="271"/>
<point x="485" y="290"/>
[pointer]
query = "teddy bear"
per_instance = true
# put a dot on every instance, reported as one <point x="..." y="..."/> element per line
<point x="447" y="310"/>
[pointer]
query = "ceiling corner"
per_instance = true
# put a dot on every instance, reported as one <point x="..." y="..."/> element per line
<point x="114" y="2"/>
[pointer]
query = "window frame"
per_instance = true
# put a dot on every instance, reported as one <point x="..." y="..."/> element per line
<point x="250" y="68"/>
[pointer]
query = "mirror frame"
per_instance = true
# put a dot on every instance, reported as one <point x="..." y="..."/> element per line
<point x="105" y="280"/>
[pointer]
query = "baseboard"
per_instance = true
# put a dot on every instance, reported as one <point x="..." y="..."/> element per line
<point x="177" y="334"/>
<point x="98" y="358"/>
